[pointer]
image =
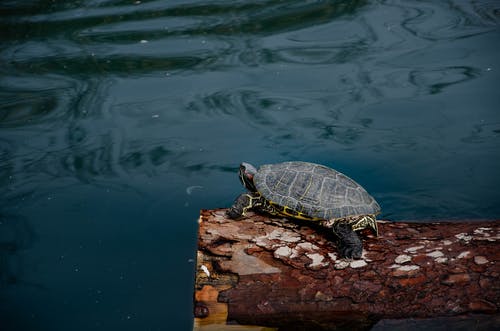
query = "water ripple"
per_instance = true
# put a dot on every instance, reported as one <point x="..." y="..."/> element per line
<point x="249" y="105"/>
<point x="315" y="74"/>
<point x="435" y="21"/>
<point x="433" y="81"/>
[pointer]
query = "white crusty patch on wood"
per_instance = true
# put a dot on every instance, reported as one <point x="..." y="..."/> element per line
<point x="404" y="268"/>
<point x="464" y="255"/>
<point x="480" y="260"/>
<point x="358" y="264"/>
<point x="441" y="259"/>
<point x="283" y="251"/>
<point x="435" y="254"/>
<point x="262" y="241"/>
<point x="484" y="233"/>
<point x="317" y="260"/>
<point x="333" y="256"/>
<point x="401" y="259"/>
<point x="283" y="235"/>
<point x="205" y="270"/>
<point x="295" y="253"/>
<point x="464" y="237"/>
<point x="408" y="268"/>
<point x="414" y="249"/>
<point x="307" y="246"/>
<point x="341" y="264"/>
<point x="274" y="238"/>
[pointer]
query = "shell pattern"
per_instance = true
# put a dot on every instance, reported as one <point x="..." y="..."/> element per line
<point x="314" y="190"/>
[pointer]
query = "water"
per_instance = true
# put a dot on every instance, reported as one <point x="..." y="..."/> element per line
<point x="120" y="120"/>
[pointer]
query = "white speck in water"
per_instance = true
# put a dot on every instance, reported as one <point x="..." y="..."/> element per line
<point x="143" y="41"/>
<point x="190" y="189"/>
<point x="155" y="116"/>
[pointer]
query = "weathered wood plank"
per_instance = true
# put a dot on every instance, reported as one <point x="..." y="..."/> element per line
<point x="277" y="273"/>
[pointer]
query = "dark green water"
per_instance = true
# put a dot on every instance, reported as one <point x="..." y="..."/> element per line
<point x="120" y="120"/>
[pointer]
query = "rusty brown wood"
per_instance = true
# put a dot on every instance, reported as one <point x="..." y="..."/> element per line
<point x="273" y="272"/>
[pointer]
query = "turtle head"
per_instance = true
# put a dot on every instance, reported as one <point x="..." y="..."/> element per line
<point x="246" y="173"/>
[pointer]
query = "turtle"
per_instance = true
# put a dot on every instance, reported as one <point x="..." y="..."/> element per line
<point x="311" y="192"/>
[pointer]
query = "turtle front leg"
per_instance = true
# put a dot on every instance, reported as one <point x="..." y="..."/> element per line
<point x="349" y="244"/>
<point x="242" y="204"/>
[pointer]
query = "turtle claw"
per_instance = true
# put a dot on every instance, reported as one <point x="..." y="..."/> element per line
<point x="238" y="208"/>
<point x="350" y="252"/>
<point x="349" y="244"/>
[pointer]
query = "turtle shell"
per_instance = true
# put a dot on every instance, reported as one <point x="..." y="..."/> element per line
<point x="314" y="190"/>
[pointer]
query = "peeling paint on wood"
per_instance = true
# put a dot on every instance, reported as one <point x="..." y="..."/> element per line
<point x="267" y="271"/>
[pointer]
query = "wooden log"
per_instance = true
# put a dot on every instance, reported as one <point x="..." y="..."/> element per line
<point x="269" y="272"/>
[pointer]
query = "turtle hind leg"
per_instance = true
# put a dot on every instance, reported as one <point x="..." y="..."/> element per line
<point x="349" y="244"/>
<point x="242" y="204"/>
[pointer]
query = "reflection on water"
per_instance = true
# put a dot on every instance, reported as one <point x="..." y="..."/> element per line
<point x="119" y="120"/>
